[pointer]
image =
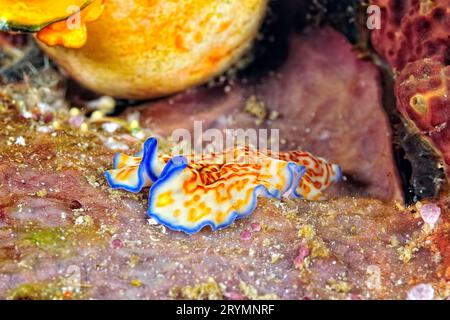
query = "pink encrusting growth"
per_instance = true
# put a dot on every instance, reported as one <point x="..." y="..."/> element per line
<point x="193" y="191"/>
<point x="303" y="253"/>
<point x="430" y="213"/>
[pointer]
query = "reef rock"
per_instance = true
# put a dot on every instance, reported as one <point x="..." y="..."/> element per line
<point x="414" y="39"/>
<point x="423" y="89"/>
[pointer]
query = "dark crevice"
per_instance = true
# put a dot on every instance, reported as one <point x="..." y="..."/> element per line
<point x="286" y="16"/>
<point x="31" y="62"/>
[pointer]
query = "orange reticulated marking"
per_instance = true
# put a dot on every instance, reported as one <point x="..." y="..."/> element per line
<point x="191" y="215"/>
<point x="307" y="178"/>
<point x="165" y="199"/>
<point x="239" y="204"/>
<point x="190" y="186"/>
<point x="317" y="185"/>
<point x="121" y="165"/>
<point x="212" y="189"/>
<point x="195" y="215"/>
<point x="281" y="168"/>
<point x="125" y="161"/>
<point x="72" y="33"/>
<point x="240" y="185"/>
<point x="125" y="173"/>
<point x="220" y="217"/>
<point x="220" y="195"/>
<point x="306" y="188"/>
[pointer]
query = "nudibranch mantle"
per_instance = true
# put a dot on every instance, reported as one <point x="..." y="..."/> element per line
<point x="191" y="192"/>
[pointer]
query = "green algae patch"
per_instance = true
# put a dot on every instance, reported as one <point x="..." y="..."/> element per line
<point x="51" y="239"/>
<point x="61" y="241"/>
<point x="52" y="290"/>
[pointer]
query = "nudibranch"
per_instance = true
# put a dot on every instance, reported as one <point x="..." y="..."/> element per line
<point x="192" y="191"/>
<point x="61" y="22"/>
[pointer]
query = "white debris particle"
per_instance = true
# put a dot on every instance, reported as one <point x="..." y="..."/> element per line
<point x="421" y="292"/>
<point x="43" y="129"/>
<point x="84" y="221"/>
<point x="27" y="114"/>
<point x="112" y="144"/>
<point x="374" y="277"/>
<point x="152" y="222"/>
<point x="20" y="141"/>
<point x="110" y="127"/>
<point x="43" y="107"/>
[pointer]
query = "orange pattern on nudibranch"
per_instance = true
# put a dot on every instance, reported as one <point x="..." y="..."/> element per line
<point x="125" y="173"/>
<point x="191" y="192"/>
<point x="319" y="173"/>
<point x="165" y="199"/>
